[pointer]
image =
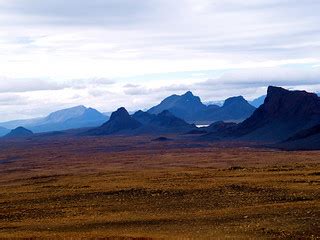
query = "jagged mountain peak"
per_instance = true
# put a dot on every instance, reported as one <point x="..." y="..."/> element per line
<point x="282" y="115"/>
<point x="119" y="121"/>
<point x="188" y="94"/>
<point x="285" y="103"/>
<point x="120" y="113"/>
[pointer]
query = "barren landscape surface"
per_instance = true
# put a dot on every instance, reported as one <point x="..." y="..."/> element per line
<point x="132" y="187"/>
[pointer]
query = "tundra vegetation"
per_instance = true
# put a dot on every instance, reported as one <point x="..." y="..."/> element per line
<point x="133" y="187"/>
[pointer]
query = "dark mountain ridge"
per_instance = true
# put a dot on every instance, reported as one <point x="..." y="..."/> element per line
<point x="233" y="109"/>
<point x="190" y="108"/>
<point x="307" y="139"/>
<point x="283" y="114"/>
<point x="122" y="123"/>
<point x="3" y="131"/>
<point x="119" y="121"/>
<point x="185" y="106"/>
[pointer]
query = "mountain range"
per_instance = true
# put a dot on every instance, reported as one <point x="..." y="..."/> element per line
<point x="286" y="119"/>
<point x="122" y="123"/>
<point x="283" y="114"/>
<point x="190" y="108"/>
<point x="70" y="118"/>
<point x="187" y="107"/>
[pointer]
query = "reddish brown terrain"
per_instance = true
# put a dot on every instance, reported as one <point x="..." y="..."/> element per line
<point x="132" y="187"/>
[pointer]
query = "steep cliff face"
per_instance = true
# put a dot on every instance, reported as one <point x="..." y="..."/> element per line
<point x="283" y="114"/>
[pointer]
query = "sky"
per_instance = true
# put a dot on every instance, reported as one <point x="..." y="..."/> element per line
<point x="111" y="53"/>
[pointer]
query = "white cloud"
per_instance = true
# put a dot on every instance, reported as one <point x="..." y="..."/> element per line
<point x="44" y="45"/>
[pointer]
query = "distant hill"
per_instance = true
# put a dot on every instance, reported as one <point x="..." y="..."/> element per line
<point x="164" y="122"/>
<point x="144" y="117"/>
<point x="186" y="106"/>
<point x="168" y="120"/>
<point x="190" y="108"/>
<point x="19" y="132"/>
<point x="3" y="131"/>
<point x="283" y="114"/>
<point x="70" y="118"/>
<point x="233" y="109"/>
<point x="122" y="123"/>
<point x="258" y="101"/>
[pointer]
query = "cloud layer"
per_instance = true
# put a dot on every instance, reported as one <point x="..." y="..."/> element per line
<point x="133" y="53"/>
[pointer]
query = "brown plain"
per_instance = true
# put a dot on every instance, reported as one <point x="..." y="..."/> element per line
<point x="131" y="187"/>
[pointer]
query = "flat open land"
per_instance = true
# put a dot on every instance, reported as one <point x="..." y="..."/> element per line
<point x="131" y="187"/>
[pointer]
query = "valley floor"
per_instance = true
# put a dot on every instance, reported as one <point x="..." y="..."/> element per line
<point x="136" y="188"/>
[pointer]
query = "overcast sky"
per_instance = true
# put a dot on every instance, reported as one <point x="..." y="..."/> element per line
<point x="132" y="53"/>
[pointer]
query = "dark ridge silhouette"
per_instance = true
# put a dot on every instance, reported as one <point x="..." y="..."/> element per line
<point x="144" y="117"/>
<point x="167" y="119"/>
<point x="185" y="106"/>
<point x="260" y="100"/>
<point x="308" y="139"/>
<point x="141" y="123"/>
<point x="164" y="122"/>
<point x="234" y="108"/>
<point x="190" y="108"/>
<point x="19" y="132"/>
<point x="120" y="121"/>
<point x="283" y="114"/>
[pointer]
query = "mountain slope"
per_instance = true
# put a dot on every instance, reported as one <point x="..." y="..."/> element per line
<point x="185" y="106"/>
<point x="70" y="118"/>
<point x="119" y="122"/>
<point x="308" y="139"/>
<point x="3" y="131"/>
<point x="233" y="109"/>
<point x="141" y="123"/>
<point x="144" y="117"/>
<point x="283" y="114"/>
<point x="258" y="101"/>
<point x="78" y="117"/>
<point x="190" y="108"/>
<point x="164" y="122"/>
